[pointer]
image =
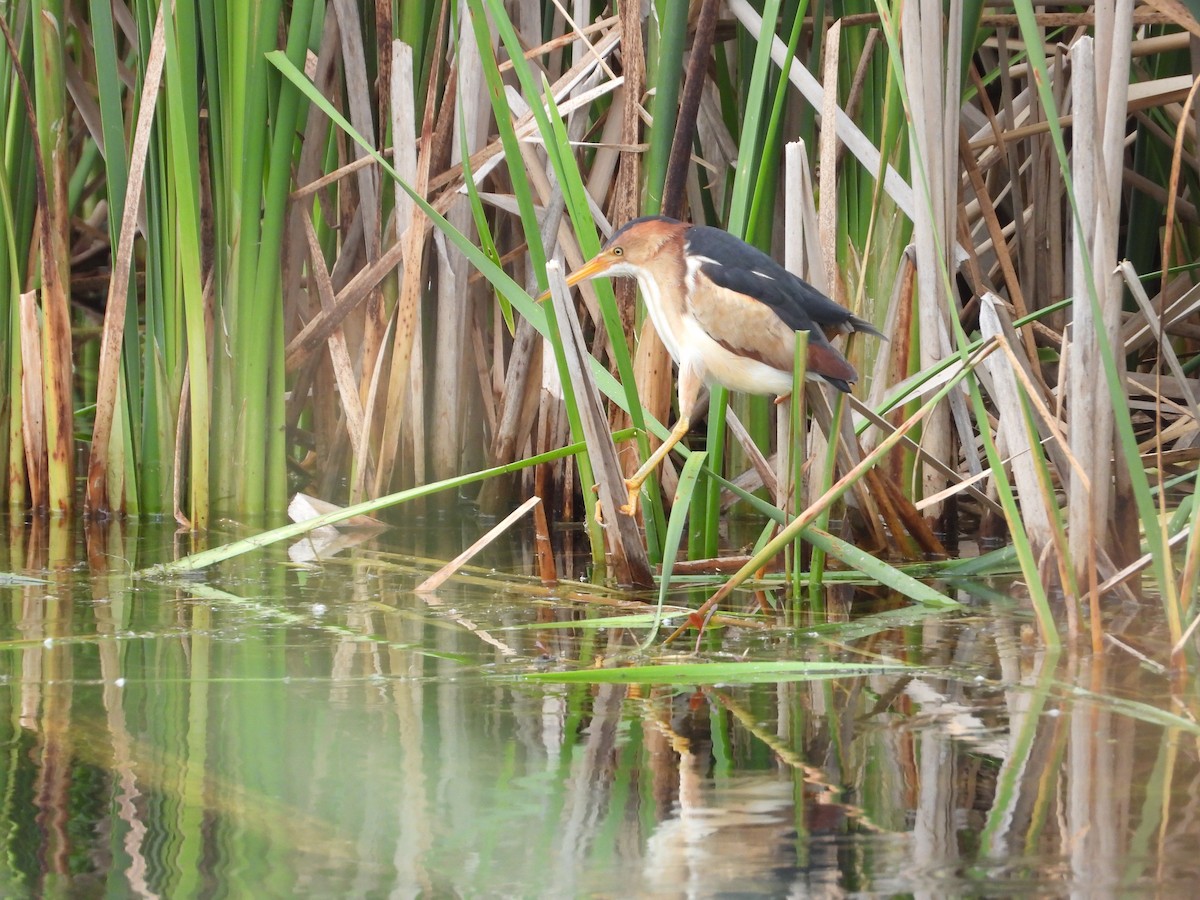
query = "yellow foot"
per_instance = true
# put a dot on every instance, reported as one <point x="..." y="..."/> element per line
<point x="598" y="515"/>
<point x="635" y="494"/>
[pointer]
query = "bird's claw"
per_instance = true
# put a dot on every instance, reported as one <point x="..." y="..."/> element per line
<point x="598" y="512"/>
<point x="635" y="493"/>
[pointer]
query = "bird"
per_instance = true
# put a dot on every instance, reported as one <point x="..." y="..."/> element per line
<point x="727" y="313"/>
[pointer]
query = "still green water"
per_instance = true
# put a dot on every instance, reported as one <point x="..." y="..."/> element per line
<point x="319" y="730"/>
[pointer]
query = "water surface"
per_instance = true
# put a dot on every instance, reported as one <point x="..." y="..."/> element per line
<point x="277" y="729"/>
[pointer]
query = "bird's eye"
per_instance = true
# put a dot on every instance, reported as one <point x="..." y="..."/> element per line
<point x="618" y="251"/>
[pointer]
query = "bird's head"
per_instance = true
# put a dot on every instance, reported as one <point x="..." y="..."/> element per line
<point x="633" y="248"/>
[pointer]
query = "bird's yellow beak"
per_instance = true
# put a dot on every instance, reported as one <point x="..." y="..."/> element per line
<point x="597" y="265"/>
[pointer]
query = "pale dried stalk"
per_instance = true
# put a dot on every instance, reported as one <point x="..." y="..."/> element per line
<point x="33" y="422"/>
<point x="339" y="356"/>
<point x="1012" y="436"/>
<point x="932" y="54"/>
<point x="801" y="254"/>
<point x="892" y="364"/>
<point x="438" y="578"/>
<point x="404" y="127"/>
<point x="319" y="70"/>
<point x="622" y="535"/>
<point x="452" y="318"/>
<point x="1097" y="179"/>
<point x="608" y="153"/>
<point x="1164" y="348"/>
<point x="107" y="379"/>
<point x="766" y="475"/>
<point x="832" y="285"/>
<point x="520" y="390"/>
<point x="406" y="324"/>
<point x="358" y="95"/>
<point x="374" y="323"/>
<point x="412" y="249"/>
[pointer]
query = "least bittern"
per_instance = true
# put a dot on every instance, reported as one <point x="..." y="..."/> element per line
<point x="727" y="313"/>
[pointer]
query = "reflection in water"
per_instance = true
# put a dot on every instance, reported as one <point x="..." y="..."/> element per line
<point x="322" y="731"/>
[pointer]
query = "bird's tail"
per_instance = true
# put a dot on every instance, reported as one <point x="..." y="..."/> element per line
<point x="854" y="323"/>
<point x="840" y="383"/>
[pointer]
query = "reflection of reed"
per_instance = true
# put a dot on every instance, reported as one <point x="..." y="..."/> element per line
<point x="402" y="767"/>
<point x="736" y="834"/>
<point x="589" y="783"/>
<point x="935" y="843"/>
<point x="111" y="592"/>
<point x="413" y="825"/>
<point x="1097" y="791"/>
<point x="46" y="689"/>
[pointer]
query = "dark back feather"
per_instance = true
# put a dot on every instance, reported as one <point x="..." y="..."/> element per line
<point x="740" y="267"/>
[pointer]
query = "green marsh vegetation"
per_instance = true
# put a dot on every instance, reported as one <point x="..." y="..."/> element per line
<point x="273" y="248"/>
<point x="250" y="249"/>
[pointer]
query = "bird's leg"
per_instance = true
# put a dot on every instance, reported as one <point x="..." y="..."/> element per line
<point x="635" y="482"/>
<point x="598" y="515"/>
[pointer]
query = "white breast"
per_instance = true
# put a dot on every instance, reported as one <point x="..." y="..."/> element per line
<point x="667" y="325"/>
